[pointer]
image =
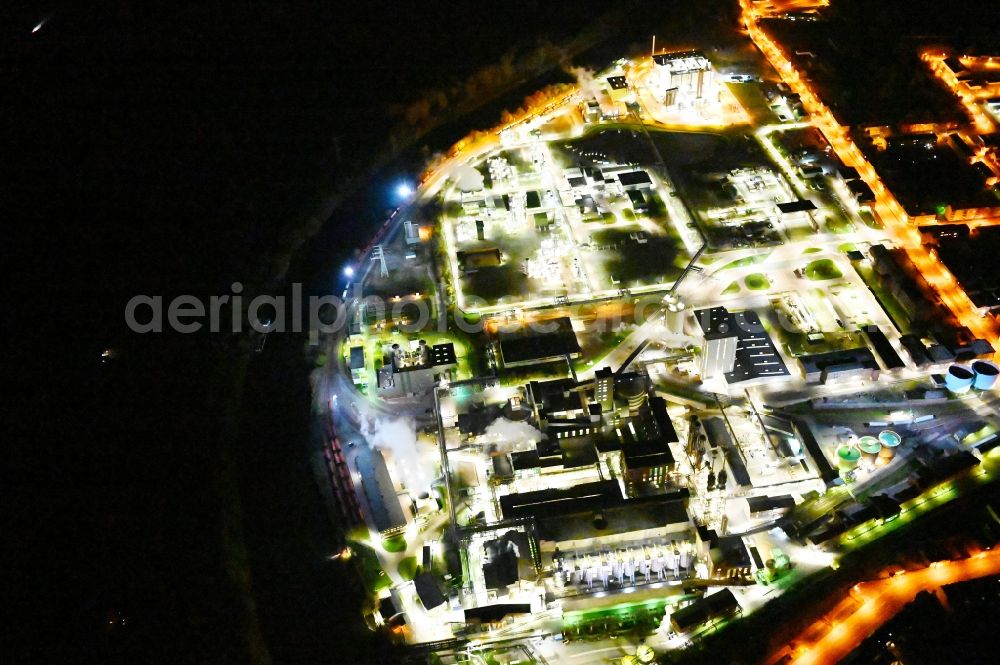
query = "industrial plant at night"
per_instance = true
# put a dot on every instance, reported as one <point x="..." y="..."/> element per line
<point x="691" y="356"/>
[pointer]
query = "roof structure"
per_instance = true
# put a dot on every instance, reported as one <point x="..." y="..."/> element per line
<point x="428" y="591"/>
<point x="883" y="348"/>
<point x="760" y="504"/>
<point x="357" y="357"/>
<point x="443" y="354"/>
<point x="803" y="205"/>
<point x="617" y="82"/>
<point x="756" y="356"/>
<point x="710" y="607"/>
<point x="632" y="516"/>
<point x="525" y="346"/>
<point x="634" y="178"/>
<point x="718" y="436"/>
<point x="386" y="511"/>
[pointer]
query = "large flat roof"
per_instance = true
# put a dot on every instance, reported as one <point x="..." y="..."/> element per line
<point x="859" y="357"/>
<point x="634" y="178"/>
<point x="718" y="436"/>
<point x="443" y="354"/>
<point x="524" y="346"/>
<point x="617" y="82"/>
<point x="756" y="355"/>
<point x="556" y="502"/>
<point x="386" y="511"/>
<point x="670" y="58"/>
<point x="718" y="604"/>
<point x="620" y="519"/>
<point x="796" y="206"/>
<point x="759" y="504"/>
<point x="883" y="348"/>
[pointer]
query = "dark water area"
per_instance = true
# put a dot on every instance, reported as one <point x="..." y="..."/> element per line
<point x="161" y="506"/>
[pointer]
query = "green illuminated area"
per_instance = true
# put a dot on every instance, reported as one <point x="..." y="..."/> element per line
<point x="821" y="270"/>
<point x="637" y="618"/>
<point x="936" y="496"/>
<point x="757" y="282"/>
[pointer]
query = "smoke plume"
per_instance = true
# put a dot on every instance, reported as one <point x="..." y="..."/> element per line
<point x="468" y="178"/>
<point x="585" y="80"/>
<point x="503" y="435"/>
<point x="397" y="438"/>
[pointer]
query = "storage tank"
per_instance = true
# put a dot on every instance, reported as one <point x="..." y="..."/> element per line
<point x="847" y="457"/>
<point x="632" y="388"/>
<point x="958" y="379"/>
<point x="870" y="447"/>
<point x="890" y="440"/>
<point x="673" y="317"/>
<point x="985" y="374"/>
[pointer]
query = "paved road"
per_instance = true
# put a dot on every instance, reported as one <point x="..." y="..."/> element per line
<point x="871" y="604"/>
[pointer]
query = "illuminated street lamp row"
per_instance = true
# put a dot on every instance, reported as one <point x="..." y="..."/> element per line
<point x="887" y="208"/>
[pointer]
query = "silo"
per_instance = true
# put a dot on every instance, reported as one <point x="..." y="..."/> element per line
<point x="985" y="374"/>
<point x="673" y="316"/>
<point x="847" y="457"/>
<point x="870" y="448"/>
<point x="958" y="379"/>
<point x="889" y="440"/>
<point x="632" y="388"/>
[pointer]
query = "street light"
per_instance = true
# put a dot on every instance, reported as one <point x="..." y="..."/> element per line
<point x="404" y="190"/>
<point x="348" y="271"/>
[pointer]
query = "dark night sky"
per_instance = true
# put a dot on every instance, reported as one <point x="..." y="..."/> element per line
<point x="163" y="149"/>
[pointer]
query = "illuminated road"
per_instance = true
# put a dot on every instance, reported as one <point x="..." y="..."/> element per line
<point x="961" y="90"/>
<point x="871" y="604"/>
<point x="887" y="208"/>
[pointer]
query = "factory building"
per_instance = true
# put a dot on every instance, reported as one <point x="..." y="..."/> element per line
<point x="717" y="606"/>
<point x="847" y="365"/>
<point x="597" y="515"/>
<point x="358" y="365"/>
<point x="526" y="347"/>
<point x="385" y="511"/>
<point x="727" y="557"/>
<point x="755" y="358"/>
<point x="415" y="370"/>
<point x="684" y="79"/>
<point x="618" y="88"/>
<point x="767" y="507"/>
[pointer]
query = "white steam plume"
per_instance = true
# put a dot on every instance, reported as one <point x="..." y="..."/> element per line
<point x="469" y="178"/>
<point x="503" y="435"/>
<point x="585" y="79"/>
<point x="398" y="438"/>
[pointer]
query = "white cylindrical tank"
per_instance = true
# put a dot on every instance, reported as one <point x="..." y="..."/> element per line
<point x="870" y="448"/>
<point x="986" y="374"/>
<point x="673" y="316"/>
<point x="890" y="440"/>
<point x="958" y="379"/>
